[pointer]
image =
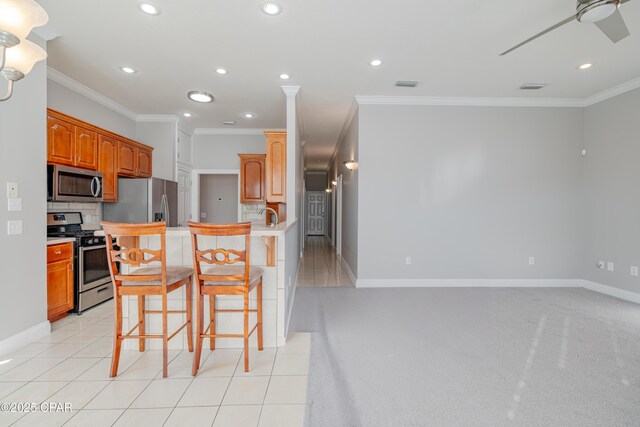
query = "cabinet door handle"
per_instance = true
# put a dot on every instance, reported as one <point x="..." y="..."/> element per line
<point x="58" y="252"/>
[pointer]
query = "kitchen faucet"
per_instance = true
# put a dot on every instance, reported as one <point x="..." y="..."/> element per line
<point x="261" y="211"/>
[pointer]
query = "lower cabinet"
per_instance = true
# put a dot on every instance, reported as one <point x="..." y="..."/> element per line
<point x="59" y="280"/>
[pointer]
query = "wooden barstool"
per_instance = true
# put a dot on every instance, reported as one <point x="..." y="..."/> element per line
<point x="224" y="279"/>
<point x="157" y="280"/>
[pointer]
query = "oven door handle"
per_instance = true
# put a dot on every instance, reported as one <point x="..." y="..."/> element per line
<point x="88" y="248"/>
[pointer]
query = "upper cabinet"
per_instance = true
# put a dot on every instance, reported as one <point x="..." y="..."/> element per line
<point x="108" y="165"/>
<point x="127" y="159"/>
<point x="71" y="145"/>
<point x="86" y="148"/>
<point x="276" y="166"/>
<point x="252" y="178"/>
<point x="134" y="160"/>
<point x="72" y="142"/>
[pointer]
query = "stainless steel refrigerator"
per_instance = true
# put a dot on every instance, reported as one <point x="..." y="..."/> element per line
<point x="144" y="200"/>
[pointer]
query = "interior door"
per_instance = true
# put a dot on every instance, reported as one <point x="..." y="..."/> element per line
<point x="316" y="202"/>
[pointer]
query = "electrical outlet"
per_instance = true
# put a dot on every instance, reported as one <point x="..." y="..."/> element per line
<point x="14" y="227"/>
<point x="609" y="265"/>
<point x="12" y="190"/>
<point x="600" y="265"/>
<point x="203" y="215"/>
<point x="407" y="260"/>
<point x="634" y="270"/>
<point x="532" y="260"/>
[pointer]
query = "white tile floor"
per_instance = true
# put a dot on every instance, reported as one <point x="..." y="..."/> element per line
<point x="72" y="365"/>
<point x="320" y="266"/>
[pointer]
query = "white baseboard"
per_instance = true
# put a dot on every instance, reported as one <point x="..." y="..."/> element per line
<point x="611" y="291"/>
<point x="282" y="340"/>
<point x="469" y="283"/>
<point x="14" y="342"/>
<point x="351" y="275"/>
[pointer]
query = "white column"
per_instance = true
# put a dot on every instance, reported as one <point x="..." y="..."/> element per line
<point x="293" y="142"/>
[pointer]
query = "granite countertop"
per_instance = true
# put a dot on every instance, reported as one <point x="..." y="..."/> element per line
<point x="256" y="230"/>
<point x="57" y="240"/>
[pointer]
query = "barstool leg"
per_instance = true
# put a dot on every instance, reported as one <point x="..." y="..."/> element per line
<point x="199" y="331"/>
<point x="212" y="318"/>
<point x="117" y="336"/>
<point x="165" y="337"/>
<point x="259" y="290"/>
<point x="246" y="331"/>
<point x="189" y="312"/>
<point x="141" y="329"/>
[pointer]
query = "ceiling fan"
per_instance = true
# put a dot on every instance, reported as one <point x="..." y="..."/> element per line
<point x="603" y="13"/>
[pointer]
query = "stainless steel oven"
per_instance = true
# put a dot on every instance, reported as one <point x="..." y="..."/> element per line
<point x="92" y="281"/>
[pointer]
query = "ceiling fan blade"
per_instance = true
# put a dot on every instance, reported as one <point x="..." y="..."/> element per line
<point x="613" y="27"/>
<point x="559" y="24"/>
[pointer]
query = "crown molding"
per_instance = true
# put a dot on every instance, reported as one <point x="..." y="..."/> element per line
<point x="47" y="32"/>
<point x="290" y="90"/>
<point x="166" y="118"/>
<point x="610" y="93"/>
<point x="75" y="86"/>
<point x="220" y="131"/>
<point x="470" y="102"/>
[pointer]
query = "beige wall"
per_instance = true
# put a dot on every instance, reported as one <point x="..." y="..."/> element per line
<point x="213" y="188"/>
<point x="611" y="190"/>
<point x="23" y="148"/>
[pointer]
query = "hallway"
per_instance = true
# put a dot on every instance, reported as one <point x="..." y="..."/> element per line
<point x="320" y="267"/>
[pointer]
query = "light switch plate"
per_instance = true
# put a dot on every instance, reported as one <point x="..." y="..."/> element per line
<point x="609" y="265"/>
<point x="12" y="190"/>
<point x="14" y="227"/>
<point x="15" y="205"/>
<point x="634" y="270"/>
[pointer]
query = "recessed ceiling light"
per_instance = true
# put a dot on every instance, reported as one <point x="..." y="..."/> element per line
<point x="221" y="71"/>
<point x="149" y="9"/>
<point x="248" y="115"/>
<point x="585" y="66"/>
<point x="187" y="114"/>
<point x="198" y="96"/>
<point x="128" y="70"/>
<point x="285" y="76"/>
<point x="228" y="122"/>
<point x="271" y="8"/>
<point x="375" y="62"/>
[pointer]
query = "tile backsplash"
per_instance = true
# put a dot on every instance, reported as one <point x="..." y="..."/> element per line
<point x="250" y="213"/>
<point x="91" y="212"/>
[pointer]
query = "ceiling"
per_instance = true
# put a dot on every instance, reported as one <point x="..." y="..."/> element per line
<point x="450" y="47"/>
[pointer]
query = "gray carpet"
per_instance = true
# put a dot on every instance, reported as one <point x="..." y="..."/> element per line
<point x="470" y="357"/>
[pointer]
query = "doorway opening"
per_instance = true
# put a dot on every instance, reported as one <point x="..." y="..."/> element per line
<point x="217" y="196"/>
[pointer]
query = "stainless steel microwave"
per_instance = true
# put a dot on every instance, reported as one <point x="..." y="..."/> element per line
<point x="67" y="184"/>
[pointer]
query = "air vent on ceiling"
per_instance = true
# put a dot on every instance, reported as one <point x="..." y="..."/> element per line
<point x="532" y="86"/>
<point x="406" y="83"/>
<point x="228" y="122"/>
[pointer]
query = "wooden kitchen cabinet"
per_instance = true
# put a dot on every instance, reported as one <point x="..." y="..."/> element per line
<point x="276" y="167"/>
<point x="71" y="145"/>
<point x="144" y="163"/>
<point x="60" y="142"/>
<point x="134" y="160"/>
<point x="127" y="159"/>
<point x="252" y="178"/>
<point x="59" y="280"/>
<point x="86" y="148"/>
<point x="72" y="142"/>
<point x="108" y="165"/>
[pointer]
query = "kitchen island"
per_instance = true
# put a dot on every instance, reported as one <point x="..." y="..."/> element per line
<point x="268" y="251"/>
